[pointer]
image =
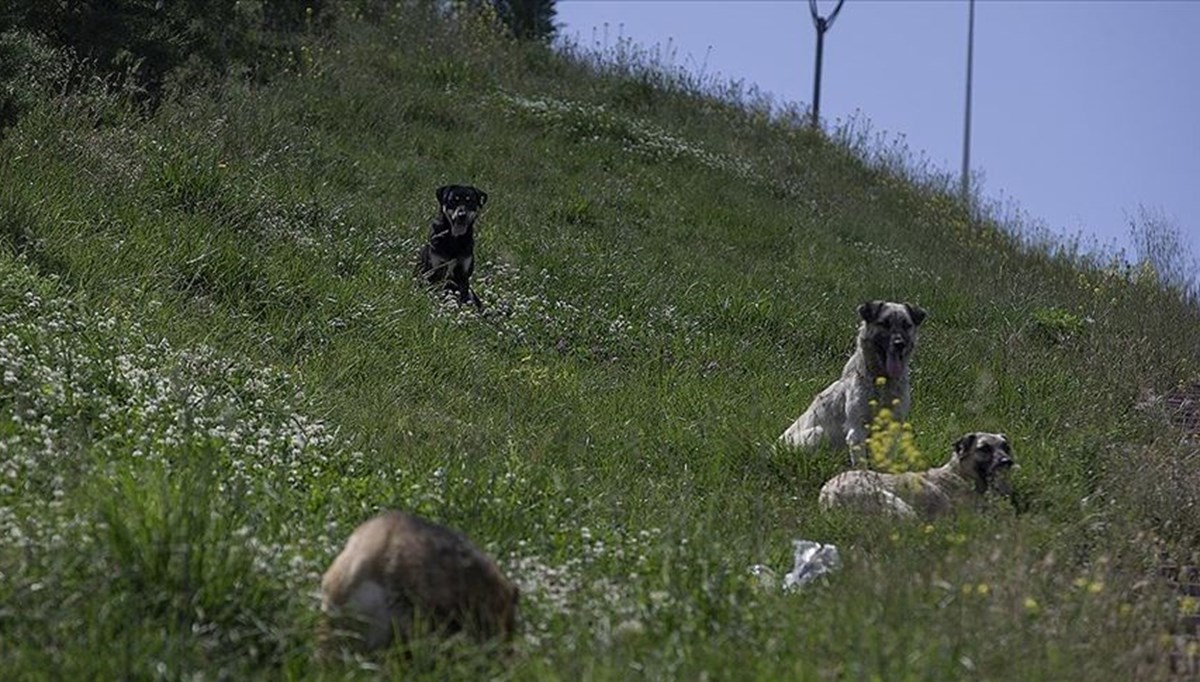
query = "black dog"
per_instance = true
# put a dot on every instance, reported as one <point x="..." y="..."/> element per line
<point x="449" y="256"/>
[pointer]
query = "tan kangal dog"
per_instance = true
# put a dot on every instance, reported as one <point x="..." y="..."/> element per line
<point x="878" y="370"/>
<point x="980" y="462"/>
<point x="397" y="568"/>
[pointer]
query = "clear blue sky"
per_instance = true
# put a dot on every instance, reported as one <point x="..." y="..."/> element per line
<point x="1082" y="110"/>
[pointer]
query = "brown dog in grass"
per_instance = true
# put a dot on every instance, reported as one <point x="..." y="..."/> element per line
<point x="399" y="570"/>
<point x="980" y="462"/>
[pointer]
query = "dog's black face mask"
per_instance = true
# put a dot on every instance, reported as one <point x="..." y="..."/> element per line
<point x="990" y="459"/>
<point x="460" y="205"/>
<point x="892" y="333"/>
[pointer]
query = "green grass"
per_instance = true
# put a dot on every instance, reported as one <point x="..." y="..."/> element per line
<point x="216" y="365"/>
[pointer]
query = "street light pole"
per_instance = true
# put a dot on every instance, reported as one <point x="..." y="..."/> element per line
<point x="822" y="24"/>
<point x="966" y="164"/>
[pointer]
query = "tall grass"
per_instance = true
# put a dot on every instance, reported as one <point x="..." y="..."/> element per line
<point x="217" y="364"/>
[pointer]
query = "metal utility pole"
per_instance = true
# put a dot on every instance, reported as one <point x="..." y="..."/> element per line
<point x="822" y="24"/>
<point x="966" y="166"/>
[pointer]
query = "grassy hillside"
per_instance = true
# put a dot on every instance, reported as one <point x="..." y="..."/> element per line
<point x="216" y="364"/>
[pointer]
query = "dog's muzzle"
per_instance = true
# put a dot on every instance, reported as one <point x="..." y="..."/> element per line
<point x="460" y="221"/>
<point x="999" y="473"/>
<point x="895" y="357"/>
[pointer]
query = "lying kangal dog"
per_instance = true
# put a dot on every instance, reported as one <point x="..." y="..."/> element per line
<point x="839" y="415"/>
<point x="980" y="462"/>
<point x="397" y="568"/>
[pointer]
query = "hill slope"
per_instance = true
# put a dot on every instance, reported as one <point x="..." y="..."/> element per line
<point x="216" y="365"/>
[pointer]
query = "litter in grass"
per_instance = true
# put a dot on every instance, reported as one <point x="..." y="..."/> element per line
<point x="812" y="560"/>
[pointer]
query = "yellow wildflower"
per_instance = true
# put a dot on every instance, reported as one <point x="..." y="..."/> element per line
<point x="891" y="444"/>
<point x="1187" y="605"/>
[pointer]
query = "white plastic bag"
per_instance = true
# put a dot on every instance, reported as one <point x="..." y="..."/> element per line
<point x="812" y="560"/>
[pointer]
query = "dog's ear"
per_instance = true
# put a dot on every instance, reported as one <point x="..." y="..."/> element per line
<point x="964" y="444"/>
<point x="917" y="314"/>
<point x="870" y="310"/>
<point x="482" y="197"/>
<point x="442" y="192"/>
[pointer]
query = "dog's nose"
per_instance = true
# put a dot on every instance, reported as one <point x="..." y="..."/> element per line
<point x="898" y="341"/>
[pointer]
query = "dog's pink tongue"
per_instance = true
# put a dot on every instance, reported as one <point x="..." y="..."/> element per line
<point x="895" y="366"/>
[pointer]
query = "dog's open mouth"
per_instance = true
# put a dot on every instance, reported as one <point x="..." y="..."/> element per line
<point x="1000" y="482"/>
<point x="459" y="229"/>
<point x="894" y="365"/>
